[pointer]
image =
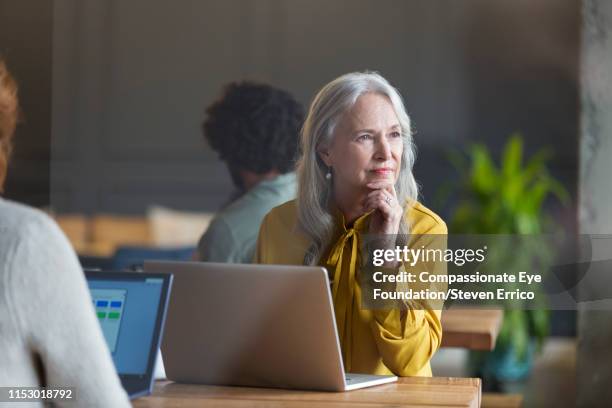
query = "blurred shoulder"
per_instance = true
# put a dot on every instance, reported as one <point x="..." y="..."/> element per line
<point x="283" y="216"/>
<point x="422" y="220"/>
<point x="280" y="241"/>
<point x="27" y="233"/>
<point x="18" y="220"/>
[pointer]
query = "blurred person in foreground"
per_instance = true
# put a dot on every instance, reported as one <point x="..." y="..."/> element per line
<point x="355" y="178"/>
<point x="50" y="336"/>
<point x="255" y="130"/>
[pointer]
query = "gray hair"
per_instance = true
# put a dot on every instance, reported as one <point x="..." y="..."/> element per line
<point x="314" y="190"/>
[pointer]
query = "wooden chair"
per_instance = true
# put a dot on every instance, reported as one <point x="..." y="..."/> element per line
<point x="108" y="232"/>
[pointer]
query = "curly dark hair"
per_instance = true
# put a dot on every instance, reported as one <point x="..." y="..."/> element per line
<point x="255" y="127"/>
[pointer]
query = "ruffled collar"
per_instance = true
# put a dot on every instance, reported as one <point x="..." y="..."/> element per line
<point x="342" y="262"/>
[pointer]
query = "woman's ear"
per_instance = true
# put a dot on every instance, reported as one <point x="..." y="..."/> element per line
<point x="324" y="156"/>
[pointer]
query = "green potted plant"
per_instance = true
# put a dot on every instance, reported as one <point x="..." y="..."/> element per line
<point x="506" y="198"/>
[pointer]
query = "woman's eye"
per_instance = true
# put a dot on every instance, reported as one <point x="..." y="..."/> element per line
<point x="395" y="134"/>
<point x="364" y="137"/>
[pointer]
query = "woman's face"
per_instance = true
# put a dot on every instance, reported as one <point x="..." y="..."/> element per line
<point x="366" y="145"/>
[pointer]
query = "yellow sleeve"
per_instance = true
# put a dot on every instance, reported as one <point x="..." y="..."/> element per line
<point x="278" y="241"/>
<point x="407" y="339"/>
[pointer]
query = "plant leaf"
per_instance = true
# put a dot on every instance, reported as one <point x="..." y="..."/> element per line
<point x="512" y="156"/>
<point x="484" y="174"/>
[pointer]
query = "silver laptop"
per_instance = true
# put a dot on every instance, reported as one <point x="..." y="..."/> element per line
<point x="254" y="325"/>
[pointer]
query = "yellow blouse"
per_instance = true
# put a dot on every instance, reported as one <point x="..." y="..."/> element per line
<point x="373" y="341"/>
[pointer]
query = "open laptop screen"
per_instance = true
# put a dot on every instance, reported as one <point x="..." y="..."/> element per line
<point x="131" y="309"/>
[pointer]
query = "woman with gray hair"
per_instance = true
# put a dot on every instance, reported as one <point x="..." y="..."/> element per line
<point x="355" y="178"/>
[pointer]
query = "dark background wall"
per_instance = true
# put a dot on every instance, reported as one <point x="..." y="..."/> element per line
<point x="131" y="80"/>
<point x="26" y="28"/>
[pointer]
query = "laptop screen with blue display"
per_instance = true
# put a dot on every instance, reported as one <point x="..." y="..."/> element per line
<point x="130" y="308"/>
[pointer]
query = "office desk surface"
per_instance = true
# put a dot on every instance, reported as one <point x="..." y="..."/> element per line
<point x="407" y="392"/>
<point x="474" y="329"/>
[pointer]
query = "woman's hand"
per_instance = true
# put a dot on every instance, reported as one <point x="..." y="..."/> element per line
<point x="388" y="215"/>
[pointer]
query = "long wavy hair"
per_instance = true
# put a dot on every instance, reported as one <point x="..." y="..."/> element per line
<point x="8" y="117"/>
<point x="314" y="190"/>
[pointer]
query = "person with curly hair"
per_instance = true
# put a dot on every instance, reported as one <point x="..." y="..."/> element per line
<point x="50" y="335"/>
<point x="255" y="130"/>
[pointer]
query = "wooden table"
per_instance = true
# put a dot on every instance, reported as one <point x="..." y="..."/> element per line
<point x="474" y="329"/>
<point x="407" y="392"/>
